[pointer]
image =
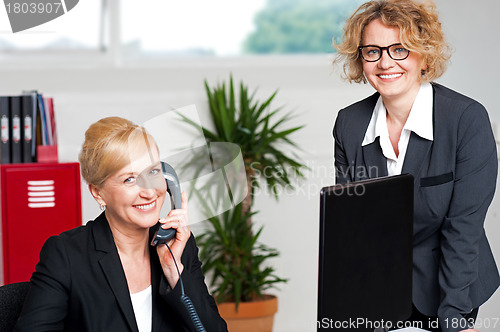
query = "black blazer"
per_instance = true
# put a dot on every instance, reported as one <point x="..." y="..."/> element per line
<point x="79" y="285"/>
<point x="455" y="178"/>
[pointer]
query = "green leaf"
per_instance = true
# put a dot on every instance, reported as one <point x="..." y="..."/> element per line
<point x="230" y="247"/>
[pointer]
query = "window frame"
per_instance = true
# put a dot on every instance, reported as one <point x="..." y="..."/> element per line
<point x="111" y="55"/>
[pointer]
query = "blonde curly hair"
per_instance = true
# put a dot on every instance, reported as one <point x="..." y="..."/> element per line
<point x="420" y="32"/>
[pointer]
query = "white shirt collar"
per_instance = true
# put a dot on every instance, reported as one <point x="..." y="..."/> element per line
<point x="419" y="120"/>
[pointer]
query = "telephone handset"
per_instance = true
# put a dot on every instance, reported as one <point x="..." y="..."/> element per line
<point x="162" y="236"/>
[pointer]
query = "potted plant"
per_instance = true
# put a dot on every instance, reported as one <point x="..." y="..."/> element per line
<point x="230" y="250"/>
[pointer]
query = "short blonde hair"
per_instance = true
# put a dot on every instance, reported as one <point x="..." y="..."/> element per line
<point x="107" y="147"/>
<point x="420" y="32"/>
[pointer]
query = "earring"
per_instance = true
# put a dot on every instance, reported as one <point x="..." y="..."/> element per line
<point x="102" y="207"/>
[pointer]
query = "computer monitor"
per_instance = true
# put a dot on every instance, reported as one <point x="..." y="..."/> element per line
<point x="365" y="254"/>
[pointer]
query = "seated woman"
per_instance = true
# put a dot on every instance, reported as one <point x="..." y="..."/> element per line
<point x="105" y="276"/>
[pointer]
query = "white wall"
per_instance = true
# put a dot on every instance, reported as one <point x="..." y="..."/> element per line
<point x="309" y="86"/>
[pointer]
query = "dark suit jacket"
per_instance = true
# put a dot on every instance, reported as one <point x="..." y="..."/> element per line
<point x="79" y="285"/>
<point x="455" y="178"/>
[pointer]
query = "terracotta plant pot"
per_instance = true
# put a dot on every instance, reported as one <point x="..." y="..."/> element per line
<point x="255" y="316"/>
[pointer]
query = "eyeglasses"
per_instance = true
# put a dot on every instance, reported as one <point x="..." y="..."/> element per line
<point x="372" y="53"/>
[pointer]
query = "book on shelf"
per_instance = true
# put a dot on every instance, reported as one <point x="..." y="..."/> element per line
<point x="15" y="129"/>
<point x="28" y="114"/>
<point x="5" y="129"/>
<point x="28" y="130"/>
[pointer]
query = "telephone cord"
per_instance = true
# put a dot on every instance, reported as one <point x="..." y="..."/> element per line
<point x="187" y="301"/>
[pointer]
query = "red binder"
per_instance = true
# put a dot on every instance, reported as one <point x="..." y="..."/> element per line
<point x="38" y="201"/>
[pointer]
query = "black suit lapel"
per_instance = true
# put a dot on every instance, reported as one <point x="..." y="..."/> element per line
<point x="112" y="268"/>
<point x="418" y="147"/>
<point x="416" y="153"/>
<point x="113" y="271"/>
<point x="156" y="275"/>
<point x="375" y="162"/>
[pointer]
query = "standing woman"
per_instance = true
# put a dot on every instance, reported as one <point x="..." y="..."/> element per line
<point x="444" y="139"/>
<point x="105" y="276"/>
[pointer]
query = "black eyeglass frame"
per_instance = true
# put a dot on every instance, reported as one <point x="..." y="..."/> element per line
<point x="382" y="49"/>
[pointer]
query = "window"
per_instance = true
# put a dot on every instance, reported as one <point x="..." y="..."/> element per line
<point x="191" y="27"/>
<point x="134" y="30"/>
<point x="298" y="26"/>
<point x="232" y="27"/>
<point x="80" y="28"/>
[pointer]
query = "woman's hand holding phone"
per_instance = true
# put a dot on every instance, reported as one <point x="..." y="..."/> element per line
<point x="178" y="220"/>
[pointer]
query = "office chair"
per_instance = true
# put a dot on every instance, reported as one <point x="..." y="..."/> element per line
<point x="11" y="302"/>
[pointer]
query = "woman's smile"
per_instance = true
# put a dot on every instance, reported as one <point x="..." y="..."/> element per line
<point x="147" y="206"/>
